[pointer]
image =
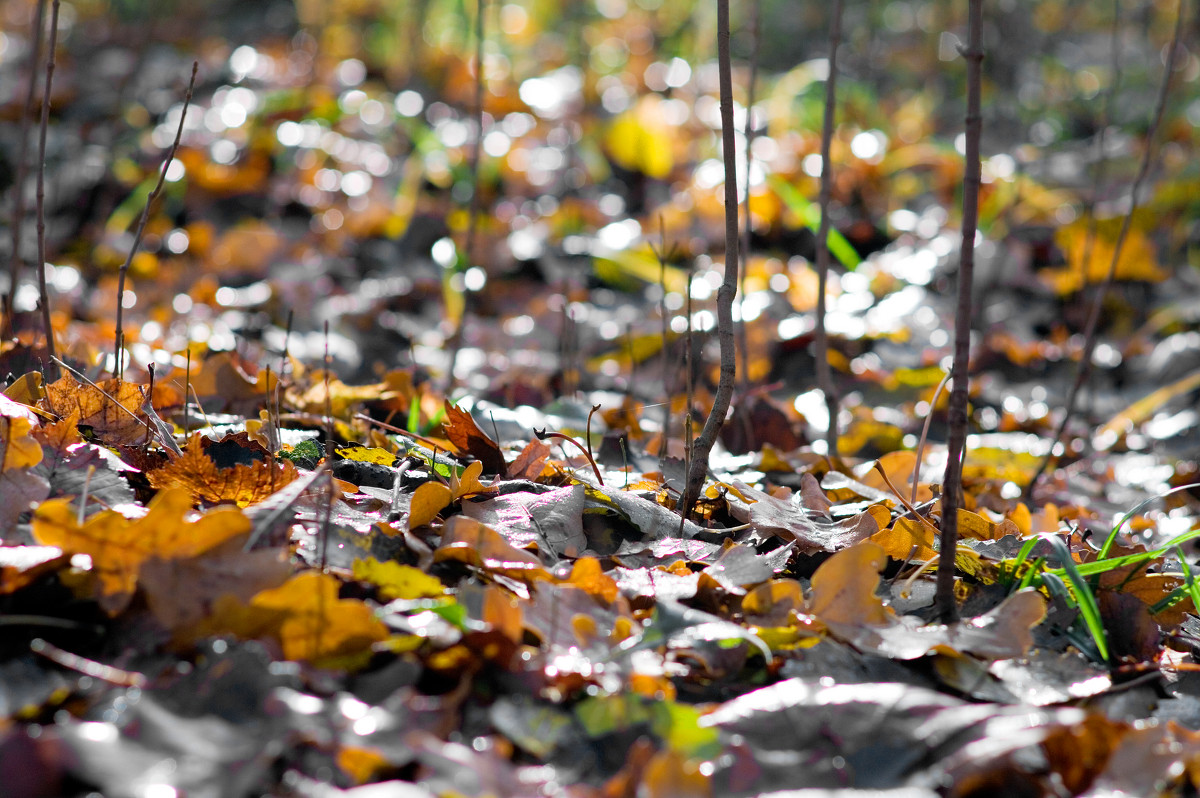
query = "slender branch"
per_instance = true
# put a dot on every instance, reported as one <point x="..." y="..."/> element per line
<point x="18" y="217"/>
<point x="702" y="446"/>
<point x="952" y="482"/>
<point x="820" y="338"/>
<point x="43" y="292"/>
<point x="1084" y="368"/>
<point x="141" y="228"/>
<point x="476" y="194"/>
<point x="743" y="345"/>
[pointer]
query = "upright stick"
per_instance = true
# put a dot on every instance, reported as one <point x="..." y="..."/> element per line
<point x="43" y="292"/>
<point x="952" y="482"/>
<point x="18" y="217"/>
<point x="702" y="446"/>
<point x="820" y="339"/>
<point x="141" y="228"/>
<point x="1093" y="322"/>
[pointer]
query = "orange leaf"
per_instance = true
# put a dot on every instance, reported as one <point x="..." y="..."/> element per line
<point x="843" y="587"/>
<point x="119" y="546"/>
<point x="429" y="499"/>
<point x="243" y="484"/>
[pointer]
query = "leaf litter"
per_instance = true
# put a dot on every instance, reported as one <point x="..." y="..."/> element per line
<point x="204" y="593"/>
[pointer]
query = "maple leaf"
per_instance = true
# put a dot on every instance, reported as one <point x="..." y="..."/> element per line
<point x="118" y="546"/>
<point x="304" y="615"/>
<point x="111" y="408"/>
<point x="789" y="519"/>
<point x="466" y="436"/>
<point x="242" y="484"/>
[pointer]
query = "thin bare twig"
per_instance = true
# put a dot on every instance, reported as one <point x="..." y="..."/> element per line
<point x="751" y="86"/>
<point x="702" y="446"/>
<point x="18" y="217"/>
<point x="43" y="292"/>
<point x="952" y="481"/>
<point x="1084" y="369"/>
<point x="820" y="338"/>
<point x="141" y="228"/>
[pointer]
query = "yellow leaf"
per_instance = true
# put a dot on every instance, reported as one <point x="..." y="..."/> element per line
<point x="843" y="587"/>
<point x="118" y="546"/>
<point x="363" y="454"/>
<point x="773" y="603"/>
<point x="468" y="484"/>
<point x="18" y="449"/>
<point x="429" y="499"/>
<point x="899" y="540"/>
<point x="314" y="622"/>
<point x="396" y="581"/>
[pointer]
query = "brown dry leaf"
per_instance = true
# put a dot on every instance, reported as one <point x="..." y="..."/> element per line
<point x="843" y="587"/>
<point x="115" y="420"/>
<point x="242" y="484"/>
<point x="669" y="775"/>
<point x="473" y="542"/>
<point x="530" y="462"/>
<point x="974" y="525"/>
<point x="790" y="520"/>
<point x="119" y="546"/>
<point x="429" y="499"/>
<point x="304" y="615"/>
<point x="326" y="395"/>
<point x="466" y="436"/>
<point x="58" y="436"/>
<point x="221" y="375"/>
<point x="899" y="466"/>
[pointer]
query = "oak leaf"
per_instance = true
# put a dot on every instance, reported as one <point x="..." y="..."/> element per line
<point x="242" y="484"/>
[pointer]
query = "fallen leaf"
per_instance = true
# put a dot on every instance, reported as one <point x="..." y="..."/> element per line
<point x="119" y="546"/>
<point x="396" y="581"/>
<point x="466" y="436"/>
<point x="112" y="409"/>
<point x="305" y="616"/>
<point x="429" y="499"/>
<point x="843" y="588"/>
<point x="790" y="520"/>
<point x="196" y="473"/>
<point x="472" y="542"/>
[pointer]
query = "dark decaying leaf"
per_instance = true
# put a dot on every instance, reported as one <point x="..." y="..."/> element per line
<point x="20" y="489"/>
<point x="462" y="431"/>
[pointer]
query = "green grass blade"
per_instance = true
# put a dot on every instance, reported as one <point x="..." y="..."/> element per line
<point x="1112" y="563"/>
<point x="413" y="422"/>
<point x="1112" y="536"/>
<point x="1189" y="579"/>
<point x="1084" y="597"/>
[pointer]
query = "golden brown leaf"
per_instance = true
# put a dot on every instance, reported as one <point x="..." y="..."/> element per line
<point x="111" y="408"/>
<point x="242" y="484"/>
<point x="429" y="499"/>
<point x="843" y="587"/>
